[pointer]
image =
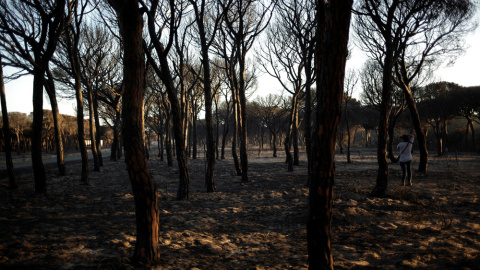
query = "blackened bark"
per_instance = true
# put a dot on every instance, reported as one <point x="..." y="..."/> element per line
<point x="75" y="65"/>
<point x="168" y="141"/>
<point x="332" y="37"/>
<point x="97" y="129"/>
<point x="91" y="121"/>
<point x="7" y="136"/>
<point x="50" y="89"/>
<point x="225" y="130"/>
<point x="147" y="252"/>
<point x="243" y="112"/>
<point x="421" y="138"/>
<point x="37" y="162"/>
<point x="236" y="116"/>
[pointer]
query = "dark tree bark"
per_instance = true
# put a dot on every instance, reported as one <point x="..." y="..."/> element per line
<point x="147" y="250"/>
<point x="200" y="12"/>
<point x="72" y="40"/>
<point x="97" y="129"/>
<point x="166" y="76"/>
<point x="7" y="136"/>
<point x="50" y="89"/>
<point x="331" y="53"/>
<point x="35" y="43"/>
<point x="91" y="121"/>
<point x="236" y="124"/>
<point x="37" y="162"/>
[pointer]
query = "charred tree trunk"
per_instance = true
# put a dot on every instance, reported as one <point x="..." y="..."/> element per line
<point x="243" y="113"/>
<point x="236" y="161"/>
<point x="97" y="129"/>
<point x="7" y="136"/>
<point x="333" y="23"/>
<point x="296" y="151"/>
<point x="37" y="162"/>
<point x="385" y="108"/>
<point x="391" y="136"/>
<point x="50" y="89"/>
<point x="147" y="251"/>
<point x="194" y="137"/>
<point x="91" y="120"/>
<point x="225" y="131"/>
<point x="168" y="141"/>
<point x="274" y="144"/>
<point x="75" y="64"/>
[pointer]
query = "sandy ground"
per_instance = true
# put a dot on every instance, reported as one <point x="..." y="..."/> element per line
<point x="435" y="224"/>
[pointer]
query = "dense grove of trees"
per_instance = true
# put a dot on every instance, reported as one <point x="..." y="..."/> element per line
<point x="183" y="74"/>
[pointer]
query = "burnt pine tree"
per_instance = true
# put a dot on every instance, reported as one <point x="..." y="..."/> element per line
<point x="72" y="41"/>
<point x="164" y="72"/>
<point x="145" y="192"/>
<point x="330" y="57"/>
<point x="31" y="48"/>
<point x="7" y="136"/>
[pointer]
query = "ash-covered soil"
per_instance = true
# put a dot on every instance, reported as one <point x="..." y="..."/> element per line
<point x="435" y="224"/>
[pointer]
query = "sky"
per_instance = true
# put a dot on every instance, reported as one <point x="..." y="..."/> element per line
<point x="464" y="72"/>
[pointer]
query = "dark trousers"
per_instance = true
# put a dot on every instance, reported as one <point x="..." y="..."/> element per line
<point x="406" y="172"/>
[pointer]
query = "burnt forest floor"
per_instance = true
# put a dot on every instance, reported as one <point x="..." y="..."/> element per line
<point x="435" y="224"/>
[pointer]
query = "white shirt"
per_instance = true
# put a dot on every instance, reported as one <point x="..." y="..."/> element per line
<point x="407" y="154"/>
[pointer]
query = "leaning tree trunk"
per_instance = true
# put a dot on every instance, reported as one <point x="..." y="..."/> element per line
<point x="421" y="139"/>
<point x="93" y="143"/>
<point x="7" y="136"/>
<point x="331" y="53"/>
<point x="147" y="250"/>
<point x="50" y="87"/>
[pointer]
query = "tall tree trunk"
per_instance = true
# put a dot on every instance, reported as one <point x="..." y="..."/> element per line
<point x="349" y="160"/>
<point x="308" y="113"/>
<point x="195" y="137"/>
<point x="217" y="135"/>
<point x="333" y="23"/>
<point x="75" y="64"/>
<point x="97" y="129"/>
<point x="391" y="136"/>
<point x="385" y="108"/>
<point x="207" y="88"/>
<point x="290" y="133"/>
<point x="91" y="121"/>
<point x="274" y="143"/>
<point x="225" y="130"/>
<point x="50" y="89"/>
<point x="243" y="113"/>
<point x="236" y="116"/>
<point x="421" y="139"/>
<point x="37" y="126"/>
<point x="147" y="251"/>
<point x="168" y="141"/>
<point x="114" y="146"/>
<point x="296" y="151"/>
<point x="7" y="136"/>
<point x="81" y="129"/>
